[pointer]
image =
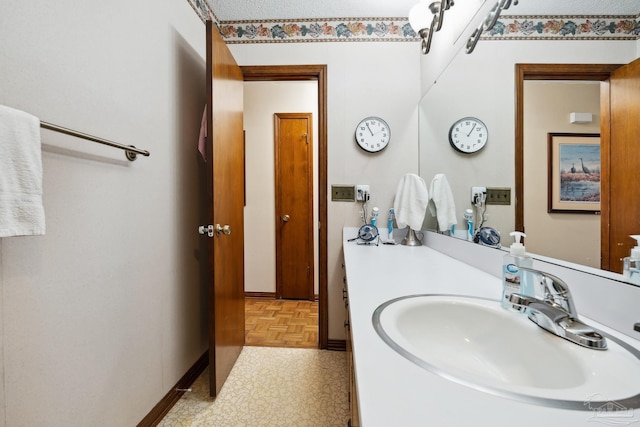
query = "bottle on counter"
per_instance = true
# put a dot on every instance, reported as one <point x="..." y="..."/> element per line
<point x="631" y="264"/>
<point x="515" y="280"/>
<point x="374" y="216"/>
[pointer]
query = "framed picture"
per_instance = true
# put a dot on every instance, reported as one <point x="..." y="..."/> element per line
<point x="574" y="173"/>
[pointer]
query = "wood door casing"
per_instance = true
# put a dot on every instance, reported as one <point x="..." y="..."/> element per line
<point x="225" y="206"/>
<point x="318" y="73"/>
<point x="624" y="162"/>
<point x="592" y="72"/>
<point x="293" y="140"/>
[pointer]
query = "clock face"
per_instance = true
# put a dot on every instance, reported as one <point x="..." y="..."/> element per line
<point x="468" y="135"/>
<point x="373" y="134"/>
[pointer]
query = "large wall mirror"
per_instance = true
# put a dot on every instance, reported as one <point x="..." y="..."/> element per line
<point x="521" y="109"/>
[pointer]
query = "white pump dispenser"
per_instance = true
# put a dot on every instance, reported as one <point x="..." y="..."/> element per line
<point x="517" y="248"/>
<point x="513" y="279"/>
<point x="631" y="264"/>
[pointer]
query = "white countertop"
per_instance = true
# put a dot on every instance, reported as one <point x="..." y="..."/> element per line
<point x="392" y="391"/>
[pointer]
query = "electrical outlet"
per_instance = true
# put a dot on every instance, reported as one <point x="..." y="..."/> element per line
<point x="478" y="192"/>
<point x="362" y="193"/>
<point x="498" y="196"/>
<point x="343" y="193"/>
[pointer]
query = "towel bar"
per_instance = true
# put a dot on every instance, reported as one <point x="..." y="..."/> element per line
<point x="130" y="151"/>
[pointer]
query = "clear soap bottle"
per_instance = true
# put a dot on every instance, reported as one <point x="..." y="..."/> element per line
<point x="515" y="280"/>
<point x="631" y="264"/>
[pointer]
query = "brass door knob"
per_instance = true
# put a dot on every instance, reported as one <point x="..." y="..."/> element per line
<point x="286" y="218"/>
<point x="226" y="229"/>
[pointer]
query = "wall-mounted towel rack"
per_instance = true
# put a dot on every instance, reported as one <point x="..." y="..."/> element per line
<point x="129" y="150"/>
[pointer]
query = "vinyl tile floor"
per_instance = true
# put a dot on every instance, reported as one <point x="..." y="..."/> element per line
<point x="280" y="378"/>
<point x="271" y="387"/>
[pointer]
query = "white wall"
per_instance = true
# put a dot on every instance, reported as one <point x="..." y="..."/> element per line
<point x="103" y="314"/>
<point x="261" y="101"/>
<point x="482" y="84"/>
<point x="547" y="106"/>
<point x="363" y="79"/>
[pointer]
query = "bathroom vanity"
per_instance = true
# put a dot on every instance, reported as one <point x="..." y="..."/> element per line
<point x="393" y="390"/>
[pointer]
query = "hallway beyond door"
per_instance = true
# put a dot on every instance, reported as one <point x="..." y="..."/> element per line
<point x="281" y="323"/>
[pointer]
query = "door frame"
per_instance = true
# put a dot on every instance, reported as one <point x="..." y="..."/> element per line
<point x="313" y="73"/>
<point x="592" y="72"/>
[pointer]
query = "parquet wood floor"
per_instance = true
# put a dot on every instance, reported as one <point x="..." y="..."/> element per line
<point x="281" y="323"/>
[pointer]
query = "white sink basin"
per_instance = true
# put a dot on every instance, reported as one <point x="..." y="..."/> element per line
<point x="477" y="343"/>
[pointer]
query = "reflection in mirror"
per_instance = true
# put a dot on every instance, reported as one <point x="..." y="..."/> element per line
<point x="547" y="106"/>
<point x="482" y="85"/>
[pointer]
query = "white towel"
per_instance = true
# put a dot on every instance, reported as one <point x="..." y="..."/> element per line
<point x="443" y="206"/>
<point x="21" y="209"/>
<point x="410" y="203"/>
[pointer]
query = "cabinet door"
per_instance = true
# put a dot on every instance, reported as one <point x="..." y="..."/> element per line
<point x="354" y="420"/>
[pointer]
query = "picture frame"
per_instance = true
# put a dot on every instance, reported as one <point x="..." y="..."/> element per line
<point x="573" y="173"/>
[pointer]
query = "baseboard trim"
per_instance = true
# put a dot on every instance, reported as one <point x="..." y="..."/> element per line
<point x="268" y="295"/>
<point x="158" y="412"/>
<point x="337" y="345"/>
<point x="260" y="295"/>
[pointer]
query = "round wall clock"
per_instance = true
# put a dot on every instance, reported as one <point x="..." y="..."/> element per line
<point x="373" y="134"/>
<point x="468" y="135"/>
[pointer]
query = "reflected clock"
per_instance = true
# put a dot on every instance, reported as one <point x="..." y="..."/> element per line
<point x="468" y="135"/>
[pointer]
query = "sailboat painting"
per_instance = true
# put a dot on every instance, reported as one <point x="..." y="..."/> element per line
<point x="574" y="173"/>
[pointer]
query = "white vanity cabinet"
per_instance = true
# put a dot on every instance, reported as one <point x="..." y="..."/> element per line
<point x="354" y="420"/>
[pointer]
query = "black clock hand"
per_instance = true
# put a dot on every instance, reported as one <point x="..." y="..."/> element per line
<point x="369" y="129"/>
<point x="474" y="126"/>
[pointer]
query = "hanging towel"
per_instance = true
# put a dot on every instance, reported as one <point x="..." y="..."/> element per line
<point x="202" y="139"/>
<point x="21" y="209"/>
<point x="443" y="206"/>
<point x="410" y="203"/>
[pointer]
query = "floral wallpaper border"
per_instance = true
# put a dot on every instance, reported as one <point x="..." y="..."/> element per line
<point x="565" y="28"/>
<point x="318" y="30"/>
<point x="398" y="29"/>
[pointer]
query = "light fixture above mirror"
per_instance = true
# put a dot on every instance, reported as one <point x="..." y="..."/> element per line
<point x="488" y="23"/>
<point x="426" y="18"/>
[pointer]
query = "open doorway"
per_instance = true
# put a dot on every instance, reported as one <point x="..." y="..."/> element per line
<point x="612" y="242"/>
<point x="270" y="92"/>
<point x="573" y="233"/>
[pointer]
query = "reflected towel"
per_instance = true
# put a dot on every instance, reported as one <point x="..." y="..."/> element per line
<point x="443" y="206"/>
<point x="21" y="209"/>
<point x="410" y="203"/>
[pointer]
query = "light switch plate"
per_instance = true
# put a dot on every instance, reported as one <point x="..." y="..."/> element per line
<point x="343" y="193"/>
<point x="498" y="196"/>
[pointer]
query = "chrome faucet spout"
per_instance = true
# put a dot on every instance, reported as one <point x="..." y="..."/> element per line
<point x="556" y="291"/>
<point x="556" y="312"/>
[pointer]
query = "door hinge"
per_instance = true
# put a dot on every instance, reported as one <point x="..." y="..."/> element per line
<point x="208" y="230"/>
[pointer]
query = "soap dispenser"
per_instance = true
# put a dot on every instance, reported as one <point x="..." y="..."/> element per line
<point x="513" y="279"/>
<point x="631" y="264"/>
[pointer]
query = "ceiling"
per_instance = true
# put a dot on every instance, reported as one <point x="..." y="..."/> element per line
<point x="234" y="10"/>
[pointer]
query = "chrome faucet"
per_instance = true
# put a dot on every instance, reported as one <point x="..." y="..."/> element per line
<point x="556" y="312"/>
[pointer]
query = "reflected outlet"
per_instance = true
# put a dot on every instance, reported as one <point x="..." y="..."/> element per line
<point x="498" y="196"/>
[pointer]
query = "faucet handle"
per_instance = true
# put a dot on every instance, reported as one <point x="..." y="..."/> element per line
<point x="556" y="291"/>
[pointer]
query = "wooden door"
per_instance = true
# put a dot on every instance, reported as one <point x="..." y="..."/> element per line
<point x="294" y="206"/>
<point x="224" y="188"/>
<point x="623" y="163"/>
